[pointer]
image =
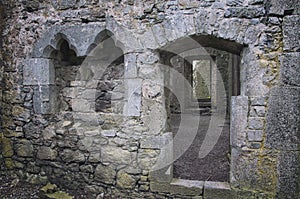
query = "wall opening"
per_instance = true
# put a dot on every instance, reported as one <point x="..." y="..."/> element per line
<point x="67" y="64"/>
<point x="200" y="70"/>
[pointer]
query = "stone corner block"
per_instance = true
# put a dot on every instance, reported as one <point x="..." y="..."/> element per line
<point x="290" y="70"/>
<point x="291" y="36"/>
<point x="283" y="118"/>
<point x="288" y="174"/>
<point x="238" y="123"/>
<point x="38" y="71"/>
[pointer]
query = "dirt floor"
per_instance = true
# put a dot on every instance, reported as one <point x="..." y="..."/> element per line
<point x="215" y="166"/>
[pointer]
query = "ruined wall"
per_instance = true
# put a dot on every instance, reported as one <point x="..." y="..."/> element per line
<point x="42" y="143"/>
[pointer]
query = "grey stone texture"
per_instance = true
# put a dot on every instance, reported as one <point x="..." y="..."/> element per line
<point x="288" y="171"/>
<point x="73" y="34"/>
<point x="61" y="120"/>
<point x="238" y="123"/>
<point x="38" y="71"/>
<point x="281" y="7"/>
<point x="289" y="69"/>
<point x="282" y="123"/>
<point x="105" y="174"/>
<point x="255" y="135"/>
<point x="46" y="153"/>
<point x="218" y="190"/>
<point x="291" y="37"/>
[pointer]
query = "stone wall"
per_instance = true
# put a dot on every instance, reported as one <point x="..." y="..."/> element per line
<point x="79" y="146"/>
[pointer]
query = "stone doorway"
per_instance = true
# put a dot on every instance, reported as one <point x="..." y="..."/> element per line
<point x="205" y="73"/>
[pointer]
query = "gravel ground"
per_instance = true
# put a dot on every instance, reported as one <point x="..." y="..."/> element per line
<point x="11" y="188"/>
<point x="215" y="166"/>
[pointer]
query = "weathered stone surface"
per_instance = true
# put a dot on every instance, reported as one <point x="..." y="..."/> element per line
<point x="291" y="29"/>
<point x="255" y="136"/>
<point x="281" y="7"/>
<point x="115" y="155"/>
<point x="63" y="4"/>
<point x="289" y="176"/>
<point x="105" y="174"/>
<point x="82" y="105"/>
<point x="257" y="111"/>
<point x="147" y="158"/>
<point x="244" y="168"/>
<point x="133" y="97"/>
<point x="238" y="123"/>
<point x="256" y="123"/>
<point x="290" y="70"/>
<point x="130" y="65"/>
<point x="87" y="168"/>
<point x="72" y="156"/>
<point x="214" y="190"/>
<point x="178" y="186"/>
<point x="95" y="157"/>
<point x="73" y="34"/>
<point x="156" y="142"/>
<point x="24" y="148"/>
<point x="46" y="153"/>
<point x="45" y="99"/>
<point x="241" y="12"/>
<point x="38" y="71"/>
<point x="7" y="147"/>
<point x="125" y="181"/>
<point x="282" y="127"/>
<point x="109" y="133"/>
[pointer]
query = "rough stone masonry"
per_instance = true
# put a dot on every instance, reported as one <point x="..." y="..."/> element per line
<point x="66" y="121"/>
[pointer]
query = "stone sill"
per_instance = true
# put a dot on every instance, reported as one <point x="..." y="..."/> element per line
<point x="190" y="187"/>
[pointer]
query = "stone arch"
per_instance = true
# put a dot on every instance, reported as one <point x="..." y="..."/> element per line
<point x="79" y="38"/>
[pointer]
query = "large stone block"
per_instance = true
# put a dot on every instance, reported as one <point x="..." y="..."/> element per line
<point x="105" y="174"/>
<point x="288" y="175"/>
<point x="242" y="12"/>
<point x="46" y="153"/>
<point x="115" y="155"/>
<point x="283" y="119"/>
<point x="38" y="71"/>
<point x="238" y="124"/>
<point x="24" y="148"/>
<point x="290" y="70"/>
<point x="125" y="181"/>
<point x="72" y="156"/>
<point x="291" y="36"/>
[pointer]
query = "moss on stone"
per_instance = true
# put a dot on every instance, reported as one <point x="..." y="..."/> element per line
<point x="7" y="147"/>
<point x="59" y="195"/>
<point x="9" y="163"/>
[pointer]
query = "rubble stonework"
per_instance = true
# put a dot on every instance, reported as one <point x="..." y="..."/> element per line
<point x="65" y="121"/>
